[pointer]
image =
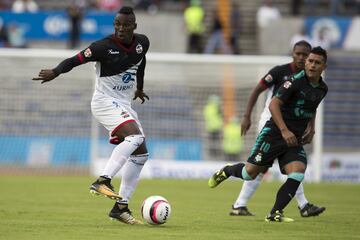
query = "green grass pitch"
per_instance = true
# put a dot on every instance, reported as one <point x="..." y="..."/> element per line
<point x="52" y="208"/>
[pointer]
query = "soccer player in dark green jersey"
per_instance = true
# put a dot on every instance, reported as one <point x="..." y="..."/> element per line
<point x="292" y="109"/>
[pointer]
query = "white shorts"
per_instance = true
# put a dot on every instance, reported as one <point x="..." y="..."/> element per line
<point x="112" y="113"/>
<point x="266" y="114"/>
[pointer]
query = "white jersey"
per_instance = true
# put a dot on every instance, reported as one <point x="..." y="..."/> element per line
<point x="121" y="86"/>
<point x="266" y="114"/>
<point x="119" y="72"/>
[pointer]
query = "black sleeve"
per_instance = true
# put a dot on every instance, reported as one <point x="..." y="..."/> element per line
<point x="146" y="43"/>
<point x="140" y="74"/>
<point x="141" y="71"/>
<point x="67" y="65"/>
<point x="287" y="89"/>
<point x="90" y="54"/>
<point x="271" y="78"/>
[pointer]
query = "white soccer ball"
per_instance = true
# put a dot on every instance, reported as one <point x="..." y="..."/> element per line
<point x="155" y="210"/>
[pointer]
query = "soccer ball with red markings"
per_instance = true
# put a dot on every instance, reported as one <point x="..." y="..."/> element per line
<point x="155" y="210"/>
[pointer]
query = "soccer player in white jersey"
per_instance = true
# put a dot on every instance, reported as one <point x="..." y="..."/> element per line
<point x="119" y="63"/>
<point x="272" y="81"/>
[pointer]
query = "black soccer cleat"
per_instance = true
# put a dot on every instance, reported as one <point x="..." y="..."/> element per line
<point x="278" y="216"/>
<point x="240" y="211"/>
<point x="311" y="210"/>
<point x="122" y="213"/>
<point x="217" y="177"/>
<point x="102" y="186"/>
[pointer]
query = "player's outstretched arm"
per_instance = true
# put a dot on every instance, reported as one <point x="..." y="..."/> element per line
<point x="45" y="75"/>
<point x="246" y="121"/>
<point x="140" y="94"/>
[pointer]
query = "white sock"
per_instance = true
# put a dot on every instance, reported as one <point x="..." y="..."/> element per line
<point x="247" y="190"/>
<point x="120" y="154"/>
<point x="131" y="175"/>
<point x="300" y="196"/>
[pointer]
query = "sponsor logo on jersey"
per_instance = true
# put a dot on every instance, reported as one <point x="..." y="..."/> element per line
<point x="111" y="51"/>
<point x="126" y="78"/>
<point x="87" y="53"/>
<point x="299" y="110"/>
<point x="268" y="78"/>
<point x="287" y="84"/>
<point x="115" y="104"/>
<point x="139" y="49"/>
<point x="123" y="87"/>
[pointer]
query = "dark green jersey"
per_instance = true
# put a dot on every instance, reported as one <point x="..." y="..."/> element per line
<point x="300" y="100"/>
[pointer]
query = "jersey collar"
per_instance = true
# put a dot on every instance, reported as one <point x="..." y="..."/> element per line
<point x="321" y="83"/>
<point x="120" y="45"/>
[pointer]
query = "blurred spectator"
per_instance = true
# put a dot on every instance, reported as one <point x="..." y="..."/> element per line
<point x="232" y="140"/>
<point x="194" y="20"/>
<point x="301" y="35"/>
<point x="235" y="21"/>
<point x="334" y="7"/>
<point x="16" y="36"/>
<point x="295" y="6"/>
<point x="4" y="39"/>
<point x="109" y="5"/>
<point x="20" y="6"/>
<point x="216" y="39"/>
<point x="75" y="14"/>
<point x="214" y="123"/>
<point x="5" y="4"/>
<point x="266" y="14"/>
<point x="314" y="7"/>
<point x="311" y="6"/>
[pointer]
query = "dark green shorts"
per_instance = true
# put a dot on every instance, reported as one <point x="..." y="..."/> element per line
<point x="270" y="145"/>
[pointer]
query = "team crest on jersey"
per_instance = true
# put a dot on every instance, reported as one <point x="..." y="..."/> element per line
<point x="87" y="53"/>
<point x="139" y="49"/>
<point x="125" y="114"/>
<point x="258" y="157"/>
<point x="268" y="78"/>
<point x="287" y="84"/>
<point x="286" y="78"/>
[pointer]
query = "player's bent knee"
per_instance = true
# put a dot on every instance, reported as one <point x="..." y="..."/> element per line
<point x="246" y="175"/>
<point x="296" y="176"/>
<point x="139" y="159"/>
<point x="252" y="171"/>
<point x="137" y="139"/>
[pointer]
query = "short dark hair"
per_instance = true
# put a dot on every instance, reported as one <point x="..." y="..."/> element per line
<point x="302" y="43"/>
<point x="126" y="10"/>
<point x="320" y="51"/>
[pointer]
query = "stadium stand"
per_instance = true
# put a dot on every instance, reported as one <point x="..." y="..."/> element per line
<point x="342" y="114"/>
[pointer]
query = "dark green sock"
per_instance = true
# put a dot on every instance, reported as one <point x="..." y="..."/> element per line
<point x="285" y="193"/>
